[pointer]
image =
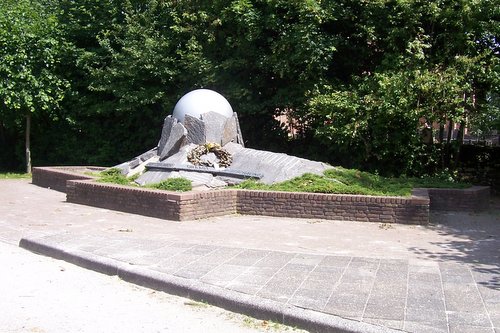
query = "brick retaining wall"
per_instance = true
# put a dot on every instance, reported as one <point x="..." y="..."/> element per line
<point x="128" y="199"/>
<point x="195" y="205"/>
<point x="151" y="202"/>
<point x="55" y="177"/>
<point x="413" y="210"/>
<point x="476" y="198"/>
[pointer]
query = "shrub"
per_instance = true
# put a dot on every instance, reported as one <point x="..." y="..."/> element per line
<point x="174" y="184"/>
<point x="114" y="176"/>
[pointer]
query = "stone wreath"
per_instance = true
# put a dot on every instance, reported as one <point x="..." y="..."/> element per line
<point x="199" y="154"/>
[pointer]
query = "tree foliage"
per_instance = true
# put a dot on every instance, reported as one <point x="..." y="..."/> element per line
<point x="30" y="48"/>
<point x="359" y="76"/>
<point x="437" y="66"/>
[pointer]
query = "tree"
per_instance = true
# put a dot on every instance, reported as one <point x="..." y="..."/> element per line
<point x="30" y="46"/>
<point x="262" y="62"/>
<point x="434" y="61"/>
<point x="268" y="55"/>
<point x="359" y="76"/>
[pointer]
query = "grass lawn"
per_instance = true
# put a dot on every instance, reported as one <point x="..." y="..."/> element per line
<point x="337" y="181"/>
<point x="10" y="175"/>
<point x="115" y="176"/>
<point x="351" y="181"/>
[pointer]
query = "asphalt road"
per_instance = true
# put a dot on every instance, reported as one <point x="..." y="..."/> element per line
<point x="41" y="294"/>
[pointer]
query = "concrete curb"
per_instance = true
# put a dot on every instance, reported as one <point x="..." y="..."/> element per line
<point x="234" y="301"/>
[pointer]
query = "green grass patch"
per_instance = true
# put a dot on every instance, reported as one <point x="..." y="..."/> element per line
<point x="333" y="181"/>
<point x="351" y="181"/>
<point x="13" y="175"/>
<point x="115" y="176"/>
<point x="178" y="184"/>
<point x="96" y="174"/>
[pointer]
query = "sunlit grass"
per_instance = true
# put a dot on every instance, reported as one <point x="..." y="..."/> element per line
<point x="13" y="175"/>
<point x="115" y="176"/>
<point x="352" y="181"/>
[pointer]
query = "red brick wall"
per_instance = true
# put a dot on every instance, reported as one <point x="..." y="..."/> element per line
<point x="476" y="198"/>
<point x="147" y="202"/>
<point x="150" y="202"/>
<point x="414" y="210"/>
<point x="55" y="177"/>
<point x="195" y="205"/>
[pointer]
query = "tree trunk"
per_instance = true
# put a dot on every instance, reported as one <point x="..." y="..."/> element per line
<point x="460" y="135"/>
<point x="450" y="131"/>
<point x="441" y="133"/>
<point x="28" y="143"/>
<point x="460" y="142"/>
<point x="447" y="150"/>
<point x="3" y="141"/>
<point x="440" y="140"/>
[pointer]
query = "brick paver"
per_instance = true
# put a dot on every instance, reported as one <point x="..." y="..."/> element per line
<point x="427" y="290"/>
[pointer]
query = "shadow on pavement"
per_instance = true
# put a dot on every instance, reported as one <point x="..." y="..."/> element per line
<point x="469" y="238"/>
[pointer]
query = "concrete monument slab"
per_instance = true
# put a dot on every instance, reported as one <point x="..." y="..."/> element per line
<point x="152" y="177"/>
<point x="214" y="126"/>
<point x="204" y="124"/>
<point x="196" y="130"/>
<point x="174" y="142"/>
<point x="168" y="123"/>
<point x="230" y="132"/>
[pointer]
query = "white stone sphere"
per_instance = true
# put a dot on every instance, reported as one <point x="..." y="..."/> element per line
<point x="200" y="101"/>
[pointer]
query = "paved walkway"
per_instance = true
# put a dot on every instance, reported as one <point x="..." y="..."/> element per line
<point x="322" y="275"/>
<point x="43" y="295"/>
